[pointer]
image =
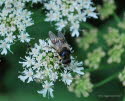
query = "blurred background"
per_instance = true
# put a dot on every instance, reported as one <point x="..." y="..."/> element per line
<point x="102" y="54"/>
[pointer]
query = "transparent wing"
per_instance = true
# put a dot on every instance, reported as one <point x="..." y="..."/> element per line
<point x="53" y="37"/>
<point x="61" y="36"/>
<point x="56" y="41"/>
<point x="63" y="40"/>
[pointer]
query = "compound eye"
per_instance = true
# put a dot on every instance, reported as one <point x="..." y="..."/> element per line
<point x="64" y="53"/>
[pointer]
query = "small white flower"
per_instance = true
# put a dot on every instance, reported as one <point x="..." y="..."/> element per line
<point x="37" y="65"/>
<point x="34" y="51"/>
<point x="76" y="67"/>
<point x="28" y="62"/>
<point x="3" y="29"/>
<point x="90" y="12"/>
<point x="74" y="28"/>
<point x="47" y="71"/>
<point x="47" y="89"/>
<point x="66" y="78"/>
<point x="24" y="37"/>
<point x="75" y="33"/>
<point x="61" y="24"/>
<point x="39" y="75"/>
<point x="4" y="46"/>
<point x="53" y="76"/>
<point x="10" y="38"/>
<point x="27" y="74"/>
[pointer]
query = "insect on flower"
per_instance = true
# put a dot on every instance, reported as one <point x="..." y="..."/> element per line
<point x="61" y="46"/>
<point x="42" y="65"/>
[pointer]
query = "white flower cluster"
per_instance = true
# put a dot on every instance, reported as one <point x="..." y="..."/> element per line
<point x="42" y="65"/>
<point x="69" y="13"/>
<point x="14" y="20"/>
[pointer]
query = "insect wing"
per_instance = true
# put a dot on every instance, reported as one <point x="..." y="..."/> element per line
<point x="63" y="40"/>
<point x="61" y="36"/>
<point x="56" y="41"/>
<point x="53" y="37"/>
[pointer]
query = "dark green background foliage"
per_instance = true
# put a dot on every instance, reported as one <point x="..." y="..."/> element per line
<point x="12" y="89"/>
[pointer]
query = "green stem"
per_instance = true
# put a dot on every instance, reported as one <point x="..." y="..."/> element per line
<point x="106" y="80"/>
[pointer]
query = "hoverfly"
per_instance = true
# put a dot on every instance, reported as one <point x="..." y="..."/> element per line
<point x="61" y="46"/>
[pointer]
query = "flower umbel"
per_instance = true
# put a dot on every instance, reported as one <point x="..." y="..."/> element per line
<point x="107" y="9"/>
<point x="93" y="59"/>
<point x="42" y="65"/>
<point x="69" y="13"/>
<point x="81" y="86"/>
<point x="14" y="19"/>
<point x="87" y="41"/>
